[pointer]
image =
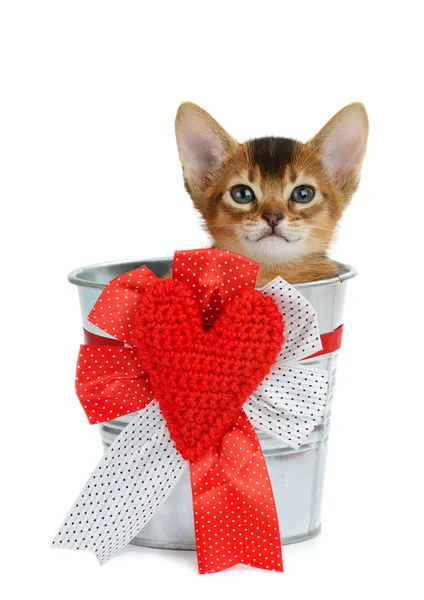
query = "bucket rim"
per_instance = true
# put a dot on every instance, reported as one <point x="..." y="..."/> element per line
<point x="75" y="277"/>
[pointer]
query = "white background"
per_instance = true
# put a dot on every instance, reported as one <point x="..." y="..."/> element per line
<point x="89" y="173"/>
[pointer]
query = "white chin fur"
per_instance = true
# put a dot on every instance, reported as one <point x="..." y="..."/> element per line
<point x="274" y="250"/>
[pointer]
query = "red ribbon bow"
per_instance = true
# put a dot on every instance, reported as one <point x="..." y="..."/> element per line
<point x="234" y="510"/>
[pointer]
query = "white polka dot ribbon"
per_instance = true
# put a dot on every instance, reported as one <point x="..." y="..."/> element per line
<point x="230" y="485"/>
<point x="289" y="403"/>
<point x="136" y="475"/>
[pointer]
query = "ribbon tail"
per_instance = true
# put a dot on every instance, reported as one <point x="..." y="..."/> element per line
<point x="235" y="516"/>
<point x="133" y="479"/>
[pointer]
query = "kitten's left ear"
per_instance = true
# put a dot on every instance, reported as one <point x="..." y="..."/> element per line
<point x="342" y="142"/>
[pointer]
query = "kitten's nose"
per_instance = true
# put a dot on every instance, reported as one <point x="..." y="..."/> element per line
<point x="272" y="218"/>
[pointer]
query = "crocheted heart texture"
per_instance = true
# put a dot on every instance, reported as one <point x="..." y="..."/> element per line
<point x="202" y="376"/>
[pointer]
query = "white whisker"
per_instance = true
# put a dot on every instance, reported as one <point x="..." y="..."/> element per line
<point x="316" y="227"/>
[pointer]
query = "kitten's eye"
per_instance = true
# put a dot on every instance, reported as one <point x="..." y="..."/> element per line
<point x="302" y="194"/>
<point x="242" y="194"/>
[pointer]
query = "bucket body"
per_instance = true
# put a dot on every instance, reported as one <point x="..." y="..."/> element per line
<point x="297" y="476"/>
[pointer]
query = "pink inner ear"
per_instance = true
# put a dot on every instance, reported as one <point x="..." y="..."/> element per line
<point x="200" y="147"/>
<point x="344" y="147"/>
<point x="200" y="156"/>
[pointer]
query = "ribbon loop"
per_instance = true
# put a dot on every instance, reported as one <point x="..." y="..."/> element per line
<point x="114" y="309"/>
<point x="289" y="403"/>
<point x="301" y="335"/>
<point x="215" y="276"/>
<point x="111" y="382"/>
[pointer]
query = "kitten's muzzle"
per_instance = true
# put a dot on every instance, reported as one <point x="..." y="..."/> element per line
<point x="272" y="218"/>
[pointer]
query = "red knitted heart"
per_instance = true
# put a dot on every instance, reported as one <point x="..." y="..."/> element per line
<point x="202" y="377"/>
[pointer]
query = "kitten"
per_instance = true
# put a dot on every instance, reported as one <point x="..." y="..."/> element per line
<point x="272" y="199"/>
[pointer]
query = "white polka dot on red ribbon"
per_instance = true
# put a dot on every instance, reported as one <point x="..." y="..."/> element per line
<point x="114" y="310"/>
<point x="235" y="517"/>
<point x="215" y="276"/>
<point x="110" y="382"/>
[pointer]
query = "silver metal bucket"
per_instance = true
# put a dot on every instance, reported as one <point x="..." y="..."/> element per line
<point x="297" y="476"/>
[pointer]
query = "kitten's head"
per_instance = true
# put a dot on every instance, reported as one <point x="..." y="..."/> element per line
<point x="274" y="200"/>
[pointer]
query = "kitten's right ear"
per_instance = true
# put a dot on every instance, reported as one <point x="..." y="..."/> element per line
<point x="342" y="143"/>
<point x="201" y="142"/>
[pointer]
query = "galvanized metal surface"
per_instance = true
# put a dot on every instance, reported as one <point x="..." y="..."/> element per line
<point x="297" y="476"/>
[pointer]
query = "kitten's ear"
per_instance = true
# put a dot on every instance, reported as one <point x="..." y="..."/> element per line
<point x="201" y="142"/>
<point x="342" y="142"/>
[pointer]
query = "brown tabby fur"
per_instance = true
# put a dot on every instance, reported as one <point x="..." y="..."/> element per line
<point x="272" y="167"/>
